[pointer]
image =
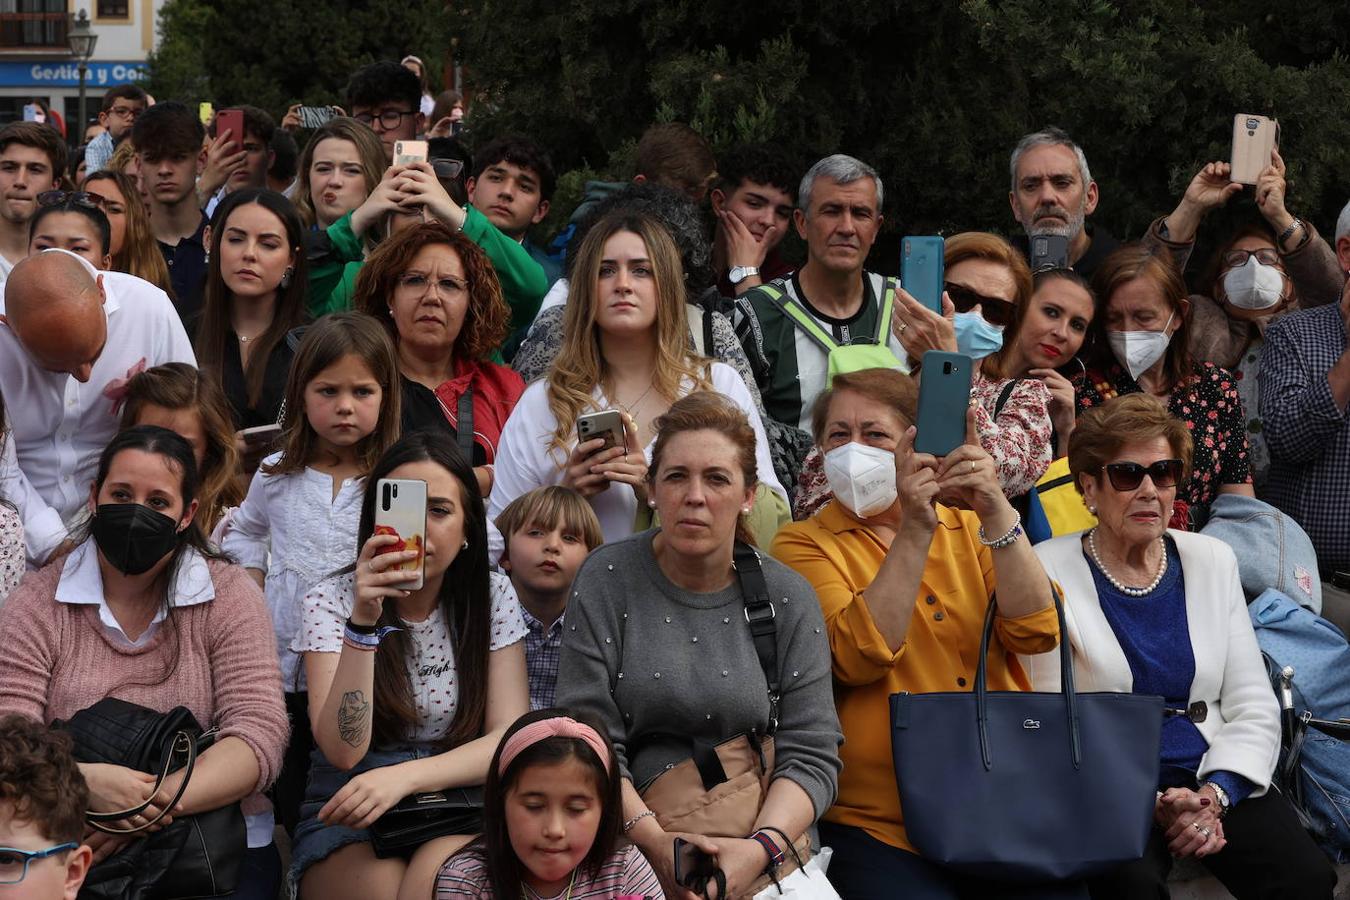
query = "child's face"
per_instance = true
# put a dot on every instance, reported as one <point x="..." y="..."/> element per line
<point x="187" y="423"/>
<point x="552" y="815"/>
<point x="544" y="560"/>
<point x="58" y="876"/>
<point x="342" y="402"/>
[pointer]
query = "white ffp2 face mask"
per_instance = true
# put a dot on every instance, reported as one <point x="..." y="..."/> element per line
<point x="1253" y="285"/>
<point x="1137" y="351"/>
<point x="861" y="477"/>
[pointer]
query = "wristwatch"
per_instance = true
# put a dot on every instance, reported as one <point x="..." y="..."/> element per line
<point x="1221" y="795"/>
<point x="740" y="273"/>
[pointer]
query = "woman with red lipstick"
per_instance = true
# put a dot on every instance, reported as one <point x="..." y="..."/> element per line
<point x="255" y="293"/>
<point x="1151" y="610"/>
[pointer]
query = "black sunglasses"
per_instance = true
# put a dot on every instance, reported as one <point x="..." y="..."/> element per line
<point x="1126" y="476"/>
<point x="994" y="310"/>
<point x="86" y="199"/>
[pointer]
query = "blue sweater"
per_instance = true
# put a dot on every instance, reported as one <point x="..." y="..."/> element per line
<point x="1155" y="636"/>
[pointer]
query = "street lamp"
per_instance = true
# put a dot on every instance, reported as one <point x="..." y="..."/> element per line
<point x="81" y="40"/>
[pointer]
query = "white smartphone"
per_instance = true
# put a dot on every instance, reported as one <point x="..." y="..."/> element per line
<point x="401" y="510"/>
<point x="607" y="424"/>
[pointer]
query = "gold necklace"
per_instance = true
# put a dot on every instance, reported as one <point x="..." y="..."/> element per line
<point x="636" y="403"/>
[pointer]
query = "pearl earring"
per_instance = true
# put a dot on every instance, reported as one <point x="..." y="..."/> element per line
<point x="745" y="510"/>
<point x="652" y="504"/>
<point x="1092" y="509"/>
<point x="465" y="545"/>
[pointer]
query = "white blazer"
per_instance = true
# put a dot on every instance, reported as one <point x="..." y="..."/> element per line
<point x="1243" y="722"/>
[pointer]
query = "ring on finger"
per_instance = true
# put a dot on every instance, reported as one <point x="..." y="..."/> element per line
<point x="1197" y="826"/>
<point x="903" y="326"/>
<point x="972" y="467"/>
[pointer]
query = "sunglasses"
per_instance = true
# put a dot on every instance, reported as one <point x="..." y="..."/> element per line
<point x="86" y="199"/>
<point x="995" y="310"/>
<point x="1126" y="476"/>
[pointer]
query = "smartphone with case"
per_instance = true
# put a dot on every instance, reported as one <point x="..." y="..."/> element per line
<point x="1049" y="251"/>
<point x="607" y="424"/>
<point x="944" y="395"/>
<point x="32" y="113"/>
<point x="921" y="270"/>
<point x="1254" y="139"/>
<point x="693" y="867"/>
<point x="314" y="116"/>
<point x="231" y="120"/>
<point x="401" y="510"/>
<point x="261" y="435"/>
<point x="408" y="152"/>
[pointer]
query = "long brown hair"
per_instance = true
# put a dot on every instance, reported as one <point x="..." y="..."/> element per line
<point x="464" y="600"/>
<point x="288" y="311"/>
<point x="324" y="343"/>
<point x="139" y="254"/>
<point x="487" y="320"/>
<point x="580" y="366"/>
<point x="368" y="149"/>
<point x="178" y="386"/>
<point x="1139" y="261"/>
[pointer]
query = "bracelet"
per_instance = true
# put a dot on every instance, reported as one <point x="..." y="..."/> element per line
<point x="362" y="629"/>
<point x="364" y="648"/>
<point x="628" y="826"/>
<point x="1006" y="540"/>
<point x="362" y="641"/>
<point x="770" y="846"/>
<point x="1289" y="232"/>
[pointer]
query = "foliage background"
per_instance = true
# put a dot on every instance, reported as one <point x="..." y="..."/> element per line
<point x="933" y="93"/>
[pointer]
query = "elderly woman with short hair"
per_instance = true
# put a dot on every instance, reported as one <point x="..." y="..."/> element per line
<point x="1156" y="611"/>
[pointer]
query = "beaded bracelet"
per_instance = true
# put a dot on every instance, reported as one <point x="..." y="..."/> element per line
<point x="1006" y="540"/>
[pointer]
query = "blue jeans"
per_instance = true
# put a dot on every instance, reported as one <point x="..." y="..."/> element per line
<point x="864" y="868"/>
<point x="260" y="878"/>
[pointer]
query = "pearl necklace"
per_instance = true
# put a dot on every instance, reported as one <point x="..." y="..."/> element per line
<point x="1127" y="591"/>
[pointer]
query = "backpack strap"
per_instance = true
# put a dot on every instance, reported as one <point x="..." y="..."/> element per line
<point x="464" y="424"/>
<point x="801" y="317"/>
<point x="887" y="310"/>
<point x="760" y="614"/>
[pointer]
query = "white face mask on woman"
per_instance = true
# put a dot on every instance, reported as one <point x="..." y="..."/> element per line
<point x="861" y="477"/>
<point x="1253" y="285"/>
<point x="1137" y="351"/>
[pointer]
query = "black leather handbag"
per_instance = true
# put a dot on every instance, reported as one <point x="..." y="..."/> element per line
<point x="196" y="856"/>
<point x="1027" y="787"/>
<point x="418" y="818"/>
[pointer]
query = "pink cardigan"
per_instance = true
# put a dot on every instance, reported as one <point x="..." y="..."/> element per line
<point x="57" y="660"/>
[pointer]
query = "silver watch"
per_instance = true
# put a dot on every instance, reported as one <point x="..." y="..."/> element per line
<point x="1221" y="795"/>
<point x="740" y="273"/>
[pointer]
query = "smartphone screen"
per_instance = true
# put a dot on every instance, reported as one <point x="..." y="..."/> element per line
<point x="921" y="270"/>
<point x="315" y="116"/>
<point x="944" y="395"/>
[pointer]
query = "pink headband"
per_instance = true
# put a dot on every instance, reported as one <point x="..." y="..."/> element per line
<point x="559" y="726"/>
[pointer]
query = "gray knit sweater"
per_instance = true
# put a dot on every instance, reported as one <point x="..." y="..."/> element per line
<point x="647" y="656"/>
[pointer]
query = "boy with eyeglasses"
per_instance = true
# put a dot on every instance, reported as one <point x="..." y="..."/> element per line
<point x="32" y="161"/>
<point x="386" y="97"/>
<point x="121" y="106"/>
<point x="43" y="797"/>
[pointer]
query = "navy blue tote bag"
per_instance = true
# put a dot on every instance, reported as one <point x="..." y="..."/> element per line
<point x="1019" y="786"/>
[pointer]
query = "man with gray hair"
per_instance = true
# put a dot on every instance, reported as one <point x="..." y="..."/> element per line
<point x="790" y="326"/>
<point x="1342" y="242"/>
<point x="1053" y="193"/>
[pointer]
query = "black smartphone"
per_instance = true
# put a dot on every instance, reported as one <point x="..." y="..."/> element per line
<point x="693" y="867"/>
<point x="1049" y="251"/>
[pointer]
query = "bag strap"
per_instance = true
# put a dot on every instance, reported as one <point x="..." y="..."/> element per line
<point x="1003" y="396"/>
<point x="464" y="424"/>
<point x="760" y="614"/>
<point x="180" y="741"/>
<point x="1065" y="682"/>
<point x="801" y="317"/>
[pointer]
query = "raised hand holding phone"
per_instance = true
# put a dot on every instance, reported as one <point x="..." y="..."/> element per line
<point x="967" y="476"/>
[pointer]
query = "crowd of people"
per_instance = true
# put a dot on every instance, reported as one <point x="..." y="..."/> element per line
<point x="686" y="626"/>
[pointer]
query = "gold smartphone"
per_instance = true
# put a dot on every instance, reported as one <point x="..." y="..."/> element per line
<point x="1254" y="140"/>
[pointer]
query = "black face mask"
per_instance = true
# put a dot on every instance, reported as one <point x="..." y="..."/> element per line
<point x="132" y="536"/>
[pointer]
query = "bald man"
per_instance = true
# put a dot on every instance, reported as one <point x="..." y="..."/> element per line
<point x="70" y="338"/>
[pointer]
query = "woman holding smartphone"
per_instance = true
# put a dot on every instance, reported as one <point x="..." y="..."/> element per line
<point x="625" y="340"/>
<point x="410" y="687"/>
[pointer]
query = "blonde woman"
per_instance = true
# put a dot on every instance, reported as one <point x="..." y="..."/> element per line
<point x="625" y="347"/>
<point x="132" y="246"/>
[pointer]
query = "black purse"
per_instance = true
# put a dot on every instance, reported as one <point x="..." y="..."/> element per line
<point x="196" y="856"/>
<point x="1022" y="786"/>
<point x="418" y="818"/>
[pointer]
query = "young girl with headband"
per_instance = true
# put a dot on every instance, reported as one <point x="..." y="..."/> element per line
<point x="551" y="820"/>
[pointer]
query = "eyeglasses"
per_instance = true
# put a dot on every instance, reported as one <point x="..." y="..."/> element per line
<point x="995" y="310"/>
<point x="87" y="199"/>
<point x="125" y="112"/>
<point x="14" y="862"/>
<point x="1126" y="476"/>
<point x="390" y="118"/>
<point x="1266" y="256"/>
<point x="416" y="283"/>
<point x="447" y="168"/>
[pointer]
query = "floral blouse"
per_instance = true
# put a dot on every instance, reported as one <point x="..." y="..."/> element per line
<point x="11" y="550"/>
<point x="1209" y="404"/>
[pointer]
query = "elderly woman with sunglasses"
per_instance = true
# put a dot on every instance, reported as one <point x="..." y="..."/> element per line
<point x="1155" y="611"/>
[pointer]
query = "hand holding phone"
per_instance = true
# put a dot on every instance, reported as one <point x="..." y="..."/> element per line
<point x="693" y="867"/>
<point x="231" y="120"/>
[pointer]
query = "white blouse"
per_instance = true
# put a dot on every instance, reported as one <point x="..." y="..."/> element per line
<point x="525" y="461"/>
<point x="431" y="667"/>
<point x="311" y="534"/>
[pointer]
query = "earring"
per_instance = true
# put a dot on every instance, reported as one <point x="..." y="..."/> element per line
<point x="745" y="510"/>
<point x="1093" y="510"/>
<point x="652" y="504"/>
<point x="206" y="256"/>
<point x="465" y="545"/>
<point x="286" y="276"/>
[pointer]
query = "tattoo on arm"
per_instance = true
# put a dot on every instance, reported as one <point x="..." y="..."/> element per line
<point x="353" y="718"/>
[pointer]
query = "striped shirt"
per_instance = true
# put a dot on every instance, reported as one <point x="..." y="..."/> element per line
<point x="625" y="874"/>
<point x="1308" y="434"/>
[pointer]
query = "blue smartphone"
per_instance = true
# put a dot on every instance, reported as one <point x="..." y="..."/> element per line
<point x="921" y="270"/>
<point x="944" y="395"/>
